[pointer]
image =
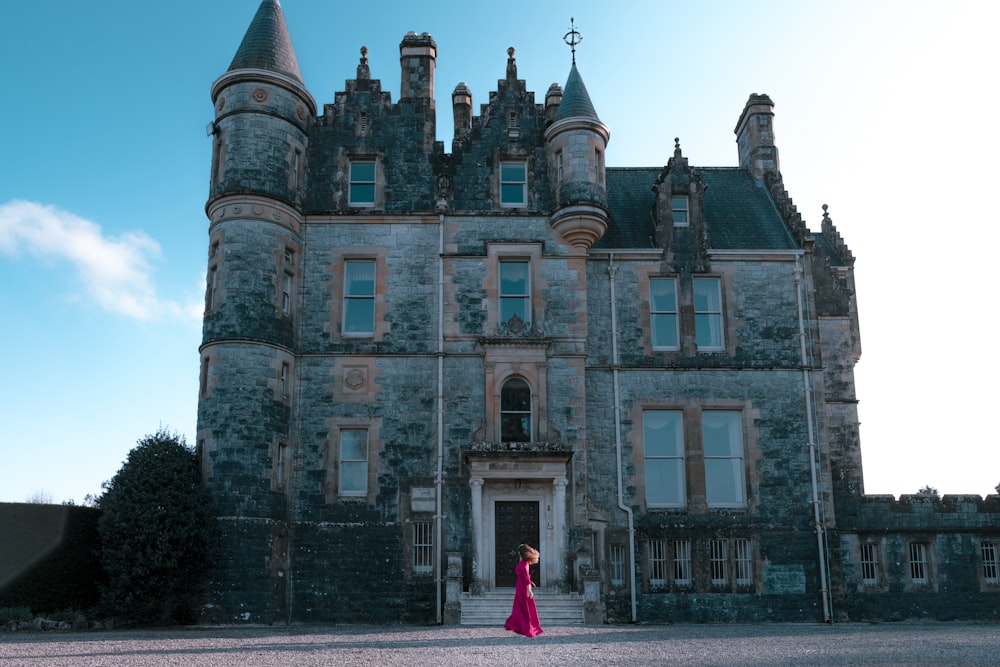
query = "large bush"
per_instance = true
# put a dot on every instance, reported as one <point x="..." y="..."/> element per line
<point x="157" y="534"/>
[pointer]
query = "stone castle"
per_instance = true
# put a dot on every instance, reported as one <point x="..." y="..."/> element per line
<point x="414" y="360"/>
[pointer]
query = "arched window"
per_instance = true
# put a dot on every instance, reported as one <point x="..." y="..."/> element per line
<point x="515" y="411"/>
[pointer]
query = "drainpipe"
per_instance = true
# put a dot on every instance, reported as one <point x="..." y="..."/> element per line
<point x="612" y="269"/>
<point x="439" y="476"/>
<point x="813" y="462"/>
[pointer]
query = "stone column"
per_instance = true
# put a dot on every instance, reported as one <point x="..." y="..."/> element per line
<point x="559" y="517"/>
<point x="476" y="585"/>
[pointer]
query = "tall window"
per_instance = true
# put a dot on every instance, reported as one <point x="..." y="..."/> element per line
<point x="285" y="380"/>
<point x="423" y="547"/>
<point x="679" y="209"/>
<point x="722" y="434"/>
<point x="707" y="314"/>
<point x="617" y="564"/>
<point x="918" y="562"/>
<point x="361" y="190"/>
<point x="513" y="184"/>
<point x="353" y="462"/>
<point x="359" y="297"/>
<point x="286" y="294"/>
<point x="744" y="562"/>
<point x="213" y="285"/>
<point x="991" y="562"/>
<point x="559" y="167"/>
<point x="663" y="313"/>
<point x="515" y="411"/>
<point x="281" y="465"/>
<point x="663" y="442"/>
<point x="515" y="290"/>
<point x="869" y="563"/>
<point x="718" y="564"/>
<point x="682" y="562"/>
<point x="658" y="562"/>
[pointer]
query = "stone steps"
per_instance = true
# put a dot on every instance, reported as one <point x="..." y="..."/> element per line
<point x="493" y="608"/>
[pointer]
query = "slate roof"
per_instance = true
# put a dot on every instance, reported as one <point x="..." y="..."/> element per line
<point x="575" y="99"/>
<point x="267" y="45"/>
<point x="739" y="212"/>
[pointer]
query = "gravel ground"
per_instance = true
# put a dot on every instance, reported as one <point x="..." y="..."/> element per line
<point x="799" y="645"/>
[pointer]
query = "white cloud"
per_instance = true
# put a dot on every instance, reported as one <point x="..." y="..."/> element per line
<point x="115" y="272"/>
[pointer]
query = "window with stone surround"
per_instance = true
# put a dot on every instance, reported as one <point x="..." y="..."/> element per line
<point x="513" y="184"/>
<point x="663" y="443"/>
<point x="682" y="562"/>
<point x="353" y="463"/>
<point x="663" y="313"/>
<point x="722" y="438"/>
<point x="991" y="562"/>
<point x="718" y="562"/>
<point x="869" y="563"/>
<point x="708" y="314"/>
<point x="361" y="188"/>
<point x="515" y="289"/>
<point x="423" y="547"/>
<point x="359" y="297"/>
<point x="919" y="567"/>
<point x="679" y="210"/>
<point x="618" y="564"/>
<point x="515" y="411"/>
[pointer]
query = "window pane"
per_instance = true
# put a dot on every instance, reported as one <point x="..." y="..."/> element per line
<point x="664" y="330"/>
<point x="665" y="481"/>
<point x="354" y="445"/>
<point x="663" y="433"/>
<point x="708" y="331"/>
<point x="515" y="396"/>
<point x="724" y="481"/>
<point x="359" y="278"/>
<point x="511" y="194"/>
<point x="722" y="433"/>
<point x="663" y="295"/>
<point x="353" y="478"/>
<point x="362" y="193"/>
<point x="706" y="295"/>
<point x="513" y="172"/>
<point x="363" y="171"/>
<point x="513" y="278"/>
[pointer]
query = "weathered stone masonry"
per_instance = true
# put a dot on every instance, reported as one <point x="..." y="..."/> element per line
<point x="414" y="359"/>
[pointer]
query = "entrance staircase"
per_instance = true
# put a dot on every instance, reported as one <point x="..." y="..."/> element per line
<point x="493" y="608"/>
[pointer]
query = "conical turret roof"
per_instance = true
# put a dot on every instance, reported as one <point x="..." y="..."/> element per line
<point x="267" y="45"/>
<point x="575" y="99"/>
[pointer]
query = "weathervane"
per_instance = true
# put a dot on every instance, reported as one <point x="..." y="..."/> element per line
<point x="572" y="38"/>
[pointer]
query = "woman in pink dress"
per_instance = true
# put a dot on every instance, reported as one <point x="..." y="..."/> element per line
<point x="524" y="617"/>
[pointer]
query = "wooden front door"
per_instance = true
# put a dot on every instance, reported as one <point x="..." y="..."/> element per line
<point x="516" y="523"/>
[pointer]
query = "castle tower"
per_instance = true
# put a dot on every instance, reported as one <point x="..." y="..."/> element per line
<point x="575" y="146"/>
<point x="260" y="138"/>
<point x="755" y="137"/>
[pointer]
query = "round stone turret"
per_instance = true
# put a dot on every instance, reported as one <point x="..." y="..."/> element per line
<point x="575" y="146"/>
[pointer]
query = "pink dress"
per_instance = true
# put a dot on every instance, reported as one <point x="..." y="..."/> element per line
<point x="524" y="617"/>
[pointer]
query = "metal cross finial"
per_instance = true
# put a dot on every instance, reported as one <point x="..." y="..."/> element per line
<point x="572" y="38"/>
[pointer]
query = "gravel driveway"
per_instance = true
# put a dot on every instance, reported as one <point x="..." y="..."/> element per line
<point x="799" y="645"/>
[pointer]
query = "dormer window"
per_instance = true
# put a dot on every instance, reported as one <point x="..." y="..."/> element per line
<point x="679" y="209"/>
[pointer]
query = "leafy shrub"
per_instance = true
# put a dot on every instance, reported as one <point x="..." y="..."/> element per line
<point x="157" y="535"/>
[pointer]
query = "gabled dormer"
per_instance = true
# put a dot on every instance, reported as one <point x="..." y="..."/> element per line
<point x="678" y="207"/>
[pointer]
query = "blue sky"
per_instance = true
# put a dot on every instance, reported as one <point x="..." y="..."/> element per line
<point x="884" y="111"/>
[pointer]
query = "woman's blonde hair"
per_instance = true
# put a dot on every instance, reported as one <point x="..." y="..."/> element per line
<point x="528" y="553"/>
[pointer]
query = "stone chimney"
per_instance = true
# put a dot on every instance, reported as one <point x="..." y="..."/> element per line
<point x="755" y="137"/>
<point x="461" y="103"/>
<point x="417" y="60"/>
